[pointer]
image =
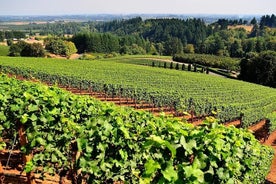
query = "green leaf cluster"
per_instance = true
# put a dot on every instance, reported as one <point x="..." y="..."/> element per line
<point x="194" y="93"/>
<point x="104" y="143"/>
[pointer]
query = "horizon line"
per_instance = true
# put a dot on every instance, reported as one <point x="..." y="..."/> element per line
<point x="121" y="14"/>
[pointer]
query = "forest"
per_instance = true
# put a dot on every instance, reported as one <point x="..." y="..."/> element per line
<point x="175" y="36"/>
<point x="161" y="36"/>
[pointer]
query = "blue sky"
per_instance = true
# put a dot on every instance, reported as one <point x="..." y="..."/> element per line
<point x="61" y="7"/>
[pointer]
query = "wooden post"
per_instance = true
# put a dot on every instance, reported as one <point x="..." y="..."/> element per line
<point x="192" y="116"/>
<point x="2" y="176"/>
<point x="26" y="158"/>
<point x="74" y="173"/>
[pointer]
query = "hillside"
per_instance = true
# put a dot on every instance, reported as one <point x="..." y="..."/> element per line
<point x="194" y="93"/>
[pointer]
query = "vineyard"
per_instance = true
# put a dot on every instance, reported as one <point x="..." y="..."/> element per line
<point x="184" y="92"/>
<point x="89" y="141"/>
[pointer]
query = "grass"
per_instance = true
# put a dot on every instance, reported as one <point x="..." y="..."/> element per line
<point x="4" y="50"/>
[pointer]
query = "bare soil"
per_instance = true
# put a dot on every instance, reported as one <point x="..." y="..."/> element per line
<point x="271" y="141"/>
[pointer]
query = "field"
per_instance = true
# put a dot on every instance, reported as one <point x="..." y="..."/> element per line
<point x="87" y="141"/>
<point x="247" y="28"/>
<point x="194" y="93"/>
<point x="4" y="50"/>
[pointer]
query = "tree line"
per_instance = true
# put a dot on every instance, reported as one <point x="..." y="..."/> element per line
<point x="166" y="36"/>
<point x="11" y="35"/>
<point x="108" y="43"/>
<point x="260" y="69"/>
<point x="53" y="45"/>
<point x="176" y="36"/>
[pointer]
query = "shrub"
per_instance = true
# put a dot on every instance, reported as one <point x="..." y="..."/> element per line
<point x="272" y="121"/>
<point x="22" y="48"/>
<point x="60" y="47"/>
<point x="208" y="60"/>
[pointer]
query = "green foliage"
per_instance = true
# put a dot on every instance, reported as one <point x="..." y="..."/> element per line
<point x="55" y="46"/>
<point x="95" y="42"/>
<point x="120" y="144"/>
<point x="4" y="50"/>
<point x="9" y="35"/>
<point x="69" y="48"/>
<point x="189" y="48"/>
<point x="86" y="56"/>
<point x="208" y="60"/>
<point x="272" y="121"/>
<point x="253" y="21"/>
<point x="134" y="49"/>
<point x="260" y="69"/>
<point x="183" y="91"/>
<point x="33" y="50"/>
<point x="60" y="47"/>
<point x="22" y="48"/>
<point x="268" y="20"/>
<point x="173" y="46"/>
<point x="16" y="49"/>
<point x="161" y="36"/>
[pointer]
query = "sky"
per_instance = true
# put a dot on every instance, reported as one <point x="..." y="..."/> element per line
<point x="67" y="7"/>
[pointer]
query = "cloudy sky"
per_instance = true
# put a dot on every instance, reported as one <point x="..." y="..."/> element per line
<point x="62" y="7"/>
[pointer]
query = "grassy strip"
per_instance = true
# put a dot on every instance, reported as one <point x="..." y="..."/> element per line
<point x="4" y="50"/>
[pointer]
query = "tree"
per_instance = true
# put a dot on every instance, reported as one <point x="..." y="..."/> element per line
<point x="160" y="48"/>
<point x="260" y="45"/>
<point x="236" y="49"/>
<point x="269" y="21"/>
<point x="16" y="49"/>
<point x="253" y="21"/>
<point x="183" y="67"/>
<point x="33" y="50"/>
<point x="177" y="66"/>
<point x="136" y="50"/>
<point x="60" y="47"/>
<point x="22" y="48"/>
<point x="173" y="46"/>
<point x="55" y="46"/>
<point x="9" y="42"/>
<point x="189" y="67"/>
<point x="165" y="64"/>
<point x="195" y="68"/>
<point x="69" y="48"/>
<point x="271" y="45"/>
<point x="189" y="49"/>
<point x="2" y="36"/>
<point x="80" y="42"/>
<point x="248" y="45"/>
<point x="259" y="69"/>
<point x="255" y="31"/>
<point x="219" y="45"/>
<point x="171" y="65"/>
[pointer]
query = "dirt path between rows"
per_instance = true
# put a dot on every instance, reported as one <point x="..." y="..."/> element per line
<point x="271" y="141"/>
